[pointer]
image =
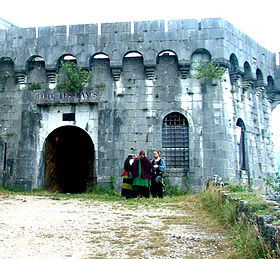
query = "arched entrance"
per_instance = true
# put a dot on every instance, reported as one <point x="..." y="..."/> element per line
<point x="69" y="160"/>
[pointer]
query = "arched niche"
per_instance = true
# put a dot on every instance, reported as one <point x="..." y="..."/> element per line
<point x="7" y="74"/>
<point x="100" y="66"/>
<point x="247" y="71"/>
<point x="167" y="65"/>
<point x="133" y="66"/>
<point x="259" y="76"/>
<point x="270" y="82"/>
<point x="234" y="64"/>
<point x="36" y="74"/>
<point x="64" y="59"/>
<point x="201" y="55"/>
<point x="234" y="69"/>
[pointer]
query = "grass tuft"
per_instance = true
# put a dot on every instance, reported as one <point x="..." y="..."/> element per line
<point x="246" y="239"/>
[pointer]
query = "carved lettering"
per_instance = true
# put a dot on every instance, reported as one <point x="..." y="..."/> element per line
<point x="45" y="96"/>
<point x="67" y="95"/>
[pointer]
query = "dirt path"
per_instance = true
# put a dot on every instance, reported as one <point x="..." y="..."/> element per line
<point x="40" y="227"/>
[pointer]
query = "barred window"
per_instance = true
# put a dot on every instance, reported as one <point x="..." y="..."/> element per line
<point x="175" y="140"/>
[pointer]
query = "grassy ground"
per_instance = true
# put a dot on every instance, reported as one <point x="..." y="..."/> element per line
<point x="201" y="212"/>
<point x="246" y="238"/>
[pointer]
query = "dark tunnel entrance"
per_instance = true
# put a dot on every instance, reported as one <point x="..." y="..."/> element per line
<point x="69" y="160"/>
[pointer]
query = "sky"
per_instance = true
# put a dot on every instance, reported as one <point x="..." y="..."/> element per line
<point x="258" y="19"/>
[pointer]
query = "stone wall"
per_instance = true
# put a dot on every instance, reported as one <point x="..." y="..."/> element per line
<point x="266" y="225"/>
<point x="143" y="71"/>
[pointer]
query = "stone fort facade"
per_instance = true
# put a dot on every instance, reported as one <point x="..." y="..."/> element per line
<point x="144" y="95"/>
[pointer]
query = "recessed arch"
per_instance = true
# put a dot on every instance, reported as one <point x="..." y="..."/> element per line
<point x="259" y="75"/>
<point x="66" y="58"/>
<point x="167" y="67"/>
<point x="6" y="63"/>
<point x="201" y="55"/>
<point x="247" y="70"/>
<point x="240" y="123"/>
<point x="99" y="55"/>
<point x="167" y="53"/>
<point x="234" y="64"/>
<point x="6" y="60"/>
<point x="133" y="66"/>
<point x="69" y="160"/>
<point x="133" y="54"/>
<point x="270" y="82"/>
<point x="100" y="65"/>
<point x="35" y="69"/>
<point x="33" y="61"/>
<point x="7" y="73"/>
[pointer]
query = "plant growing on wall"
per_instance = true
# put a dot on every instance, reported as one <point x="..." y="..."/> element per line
<point x="273" y="186"/>
<point x="74" y="77"/>
<point x="209" y="70"/>
<point x="34" y="86"/>
<point x="100" y="86"/>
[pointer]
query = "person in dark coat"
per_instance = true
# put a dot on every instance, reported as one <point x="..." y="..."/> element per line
<point x="141" y="173"/>
<point x="127" y="188"/>
<point x="159" y="169"/>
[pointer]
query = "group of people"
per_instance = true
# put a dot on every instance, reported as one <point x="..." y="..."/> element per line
<point x="142" y="176"/>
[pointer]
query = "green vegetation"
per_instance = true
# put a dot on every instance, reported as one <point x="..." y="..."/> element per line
<point x="246" y="238"/>
<point x="4" y="79"/>
<point x="34" y="86"/>
<point x="273" y="184"/>
<point x="74" y="77"/>
<point x="10" y="134"/>
<point x="209" y="70"/>
<point x="100" y="86"/>
<point x="208" y="210"/>
<point x="173" y="190"/>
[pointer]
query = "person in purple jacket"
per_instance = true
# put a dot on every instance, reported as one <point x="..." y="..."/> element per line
<point x="141" y="173"/>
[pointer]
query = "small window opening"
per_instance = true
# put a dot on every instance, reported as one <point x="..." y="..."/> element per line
<point x="68" y="116"/>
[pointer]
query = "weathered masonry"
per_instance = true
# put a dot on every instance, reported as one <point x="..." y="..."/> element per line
<point x="144" y="95"/>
